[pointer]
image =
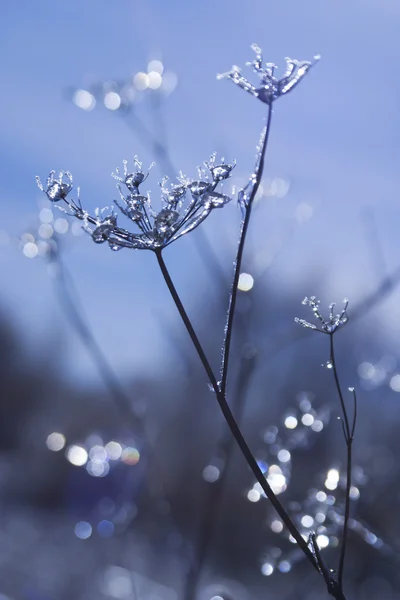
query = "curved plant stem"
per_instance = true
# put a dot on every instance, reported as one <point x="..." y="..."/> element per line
<point x="254" y="184"/>
<point x="230" y="419"/>
<point x="348" y="436"/>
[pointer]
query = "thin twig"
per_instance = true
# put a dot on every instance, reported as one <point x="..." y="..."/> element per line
<point x="255" y="183"/>
<point x="349" y="436"/>
<point x="230" y="419"/>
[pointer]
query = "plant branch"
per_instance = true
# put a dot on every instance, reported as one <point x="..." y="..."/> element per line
<point x="254" y="185"/>
<point x="230" y="419"/>
<point x="349" y="436"/>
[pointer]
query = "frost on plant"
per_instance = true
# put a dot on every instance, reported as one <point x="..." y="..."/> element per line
<point x="184" y="205"/>
<point x="326" y="325"/>
<point x="270" y="87"/>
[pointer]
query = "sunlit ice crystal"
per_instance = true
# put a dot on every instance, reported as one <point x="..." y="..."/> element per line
<point x="134" y="179"/>
<point x="271" y="87"/>
<point x="326" y="325"/>
<point x="179" y="213"/>
<point x="221" y="171"/>
<point x="165" y="219"/>
<point x="56" y="189"/>
<point x="174" y="193"/>
<point x="103" y="226"/>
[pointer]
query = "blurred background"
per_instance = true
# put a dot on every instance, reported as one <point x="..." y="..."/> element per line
<point x="117" y="476"/>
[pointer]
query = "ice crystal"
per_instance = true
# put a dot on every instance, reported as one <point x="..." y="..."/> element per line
<point x="271" y="87"/>
<point x="56" y="189"/>
<point x="184" y="205"/>
<point x="330" y="325"/>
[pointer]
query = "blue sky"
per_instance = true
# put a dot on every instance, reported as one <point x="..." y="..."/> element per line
<point x="335" y="138"/>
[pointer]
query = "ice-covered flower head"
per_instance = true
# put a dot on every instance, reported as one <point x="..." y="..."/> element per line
<point x="184" y="205"/>
<point x="327" y="325"/>
<point x="270" y="87"/>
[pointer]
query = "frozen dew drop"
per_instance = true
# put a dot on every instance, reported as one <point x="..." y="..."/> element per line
<point x="103" y="231"/>
<point x="114" y="246"/>
<point x="221" y="172"/>
<point x="198" y="188"/>
<point x="58" y="191"/>
<point x="165" y="219"/>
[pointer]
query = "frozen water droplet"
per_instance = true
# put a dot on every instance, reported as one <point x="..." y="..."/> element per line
<point x="219" y="200"/>
<point x="115" y="247"/>
<point x="58" y="191"/>
<point x="198" y="188"/>
<point x="165" y="219"/>
<point x="133" y="180"/>
<point x="211" y="387"/>
<point x="327" y="365"/>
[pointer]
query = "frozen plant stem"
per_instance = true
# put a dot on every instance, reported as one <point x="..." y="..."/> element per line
<point x="348" y="436"/>
<point x="329" y="326"/>
<point x="255" y="182"/>
<point x="230" y="419"/>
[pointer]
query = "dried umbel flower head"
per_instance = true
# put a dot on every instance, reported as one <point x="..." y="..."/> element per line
<point x="330" y="325"/>
<point x="56" y="189"/>
<point x="178" y="214"/>
<point x="270" y="87"/>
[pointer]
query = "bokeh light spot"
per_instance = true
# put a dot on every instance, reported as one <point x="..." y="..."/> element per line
<point x="55" y="441"/>
<point x="83" y="530"/>
<point x="246" y="282"/>
<point x="77" y="455"/>
<point x="84" y="100"/>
